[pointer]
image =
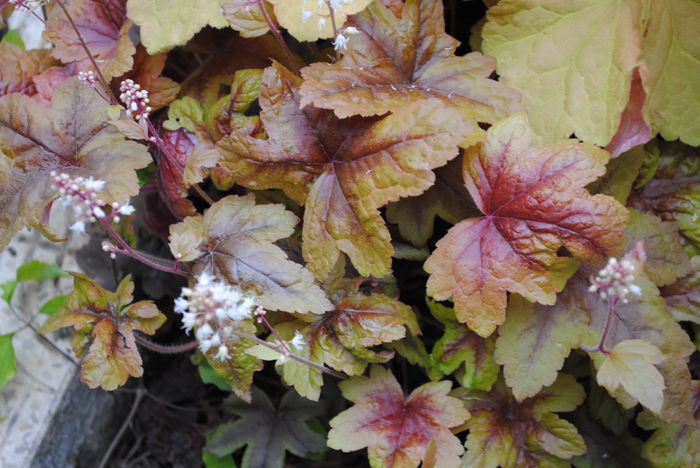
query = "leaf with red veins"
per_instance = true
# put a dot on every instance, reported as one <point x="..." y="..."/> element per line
<point x="104" y="322"/>
<point x="395" y="429"/>
<point x="535" y="203"/>
<point x="394" y="61"/>
<point x="507" y="434"/>
<point x="73" y="136"/>
<point x="19" y="68"/>
<point x="105" y="29"/>
<point x="46" y="83"/>
<point x="344" y="170"/>
<point x="146" y="71"/>
<point x="170" y="172"/>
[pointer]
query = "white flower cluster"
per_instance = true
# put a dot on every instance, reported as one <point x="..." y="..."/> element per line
<point x="82" y="195"/>
<point x="213" y="309"/>
<point x="88" y="77"/>
<point x="135" y="99"/>
<point x="615" y="281"/>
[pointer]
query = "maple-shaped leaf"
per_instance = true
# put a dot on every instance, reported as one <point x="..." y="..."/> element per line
<point x="179" y="145"/>
<point x="396" y="429"/>
<point x="343" y="170"/>
<point x="666" y="261"/>
<point x="534" y="203"/>
<point x="73" y="136"/>
<point x="146" y="71"/>
<point x="317" y="23"/>
<point x="247" y="17"/>
<point x="168" y="23"/>
<point x="673" y="193"/>
<point x="104" y="325"/>
<point x="268" y="432"/>
<point x="447" y="198"/>
<point x="393" y="61"/>
<point x="683" y="296"/>
<point x="673" y="444"/>
<point x="20" y="66"/>
<point x="630" y="364"/>
<point x="545" y="49"/>
<point x="507" y="434"/>
<point x="103" y="26"/>
<point x="462" y="350"/>
<point x="343" y="337"/>
<point x="47" y="81"/>
<point x="235" y="238"/>
<point x="620" y="175"/>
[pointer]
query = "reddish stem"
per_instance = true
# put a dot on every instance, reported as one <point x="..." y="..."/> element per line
<point x="278" y="35"/>
<point x="164" y="349"/>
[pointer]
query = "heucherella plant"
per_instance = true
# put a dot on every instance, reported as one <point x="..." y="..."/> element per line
<point x="472" y="223"/>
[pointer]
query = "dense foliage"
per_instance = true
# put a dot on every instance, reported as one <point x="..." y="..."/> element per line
<point x="389" y="220"/>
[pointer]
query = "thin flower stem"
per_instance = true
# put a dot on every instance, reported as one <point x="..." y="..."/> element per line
<point x="278" y="35"/>
<point x="335" y="28"/>
<point x="600" y="347"/>
<point x="277" y="336"/>
<point x="87" y="51"/>
<point x="127" y="250"/>
<point x="297" y="358"/>
<point x="165" y="349"/>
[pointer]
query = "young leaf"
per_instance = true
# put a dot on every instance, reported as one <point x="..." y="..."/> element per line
<point x="544" y="49"/>
<point x="74" y="136"/>
<point x="268" y="431"/>
<point x="396" y="429"/>
<point x="33" y="270"/>
<point x="52" y="305"/>
<point x="103" y="26"/>
<point x="104" y="325"/>
<point x="8" y="366"/>
<point x="507" y="434"/>
<point x="20" y="66"/>
<point x="462" y="350"/>
<point x="290" y="14"/>
<point x="342" y="337"/>
<point x="534" y="203"/>
<point x="394" y="61"/>
<point x="235" y="237"/>
<point x="344" y="171"/>
<point x="169" y="23"/>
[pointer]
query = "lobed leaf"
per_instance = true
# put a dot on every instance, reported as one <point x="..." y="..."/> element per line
<point x="396" y="429"/>
<point x="683" y="296"/>
<point x="74" y="136"/>
<point x="534" y="203"/>
<point x="393" y="61"/>
<point x="235" y="238"/>
<point x="105" y="29"/>
<point x="247" y="17"/>
<point x="509" y="434"/>
<point x="343" y="170"/>
<point x="19" y="68"/>
<point x="290" y="14"/>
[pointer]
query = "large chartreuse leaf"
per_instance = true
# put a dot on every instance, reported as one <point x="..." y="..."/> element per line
<point x="509" y="434"/>
<point x="73" y="136"/>
<point x="533" y="203"/>
<point x="169" y="23"/>
<point x="104" y="323"/>
<point x="268" y="432"/>
<point x="290" y="14"/>
<point x="397" y="429"/>
<point x="600" y="67"/>
<point x="392" y="61"/>
<point x="343" y="170"/>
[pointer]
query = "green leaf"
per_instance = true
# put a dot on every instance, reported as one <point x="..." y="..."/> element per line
<point x="212" y="461"/>
<point x="13" y="37"/>
<point x="8" y="366"/>
<point x="8" y="290"/>
<point x="35" y="270"/>
<point x="169" y="23"/>
<point x="52" y="305"/>
<point x="268" y="432"/>
<point x="209" y="376"/>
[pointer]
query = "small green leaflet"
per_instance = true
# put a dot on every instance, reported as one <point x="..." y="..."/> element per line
<point x="8" y="366"/>
<point x="33" y="270"/>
